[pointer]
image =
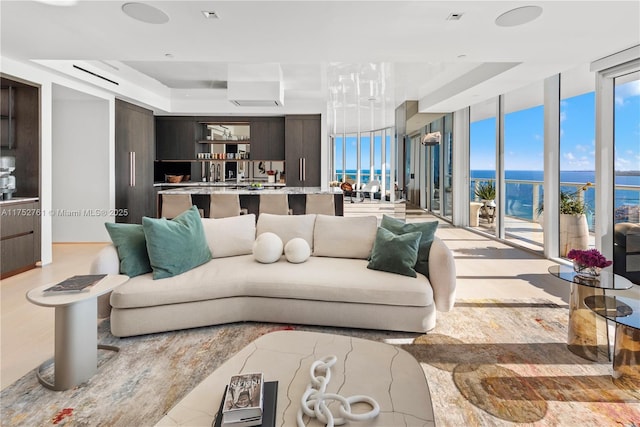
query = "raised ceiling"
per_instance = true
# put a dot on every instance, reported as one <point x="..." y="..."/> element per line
<point x="351" y="56"/>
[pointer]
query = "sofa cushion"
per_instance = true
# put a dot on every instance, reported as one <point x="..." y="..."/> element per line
<point x="131" y="246"/>
<point x="267" y="248"/>
<point x="297" y="250"/>
<point x="287" y="226"/>
<point x="176" y="245"/>
<point x="344" y="237"/>
<point x="230" y="236"/>
<point x="395" y="253"/>
<point x="317" y="279"/>
<point x="428" y="231"/>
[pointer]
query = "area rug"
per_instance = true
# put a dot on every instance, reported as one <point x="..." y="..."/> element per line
<point x="488" y="363"/>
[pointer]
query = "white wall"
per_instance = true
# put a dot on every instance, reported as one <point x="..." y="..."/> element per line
<point x="46" y="79"/>
<point x="80" y="167"/>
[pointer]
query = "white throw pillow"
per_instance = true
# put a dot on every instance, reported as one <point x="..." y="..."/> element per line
<point x="344" y="237"/>
<point x="267" y="248"/>
<point x="287" y="226"/>
<point x="297" y="250"/>
<point x="230" y="236"/>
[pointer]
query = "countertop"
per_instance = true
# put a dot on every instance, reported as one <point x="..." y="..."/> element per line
<point x="245" y="190"/>
<point x="216" y="184"/>
<point x="18" y="200"/>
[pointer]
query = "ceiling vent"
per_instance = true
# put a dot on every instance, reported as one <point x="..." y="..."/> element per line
<point x="255" y="85"/>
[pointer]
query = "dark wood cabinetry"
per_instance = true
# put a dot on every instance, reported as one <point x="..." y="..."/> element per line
<point x="267" y="138"/>
<point x="20" y="236"/>
<point x="135" y="142"/>
<point x="20" y="219"/>
<point x="20" y="132"/>
<point x="175" y="137"/>
<point x="302" y="150"/>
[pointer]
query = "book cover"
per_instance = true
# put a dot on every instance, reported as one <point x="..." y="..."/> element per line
<point x="77" y="283"/>
<point x="243" y="400"/>
<point x="270" y="400"/>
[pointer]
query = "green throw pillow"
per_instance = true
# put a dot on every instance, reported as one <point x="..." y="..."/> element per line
<point x="131" y="246"/>
<point x="428" y="230"/>
<point x="395" y="253"/>
<point x="176" y="245"/>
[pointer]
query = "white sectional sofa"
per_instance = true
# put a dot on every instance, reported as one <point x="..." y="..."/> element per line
<point x="333" y="287"/>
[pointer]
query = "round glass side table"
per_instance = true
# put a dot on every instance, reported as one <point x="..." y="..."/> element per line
<point x="588" y="335"/>
<point x="625" y="313"/>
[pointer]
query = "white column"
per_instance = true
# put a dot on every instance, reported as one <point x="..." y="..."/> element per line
<point x="551" y="166"/>
<point x="460" y="179"/>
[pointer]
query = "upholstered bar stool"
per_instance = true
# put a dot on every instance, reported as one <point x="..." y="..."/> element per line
<point x="277" y="204"/>
<point x="320" y="204"/>
<point x="174" y="204"/>
<point x="225" y="205"/>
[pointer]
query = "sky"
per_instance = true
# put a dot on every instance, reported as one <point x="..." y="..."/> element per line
<point x="524" y="134"/>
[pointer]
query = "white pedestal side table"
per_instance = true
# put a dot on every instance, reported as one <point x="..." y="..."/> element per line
<point x="76" y="335"/>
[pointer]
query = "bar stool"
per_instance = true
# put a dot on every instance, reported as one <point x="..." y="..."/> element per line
<point x="225" y="205"/>
<point x="277" y="204"/>
<point x="174" y="204"/>
<point x="320" y="204"/>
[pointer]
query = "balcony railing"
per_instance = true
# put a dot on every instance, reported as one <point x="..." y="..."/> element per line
<point x="523" y="197"/>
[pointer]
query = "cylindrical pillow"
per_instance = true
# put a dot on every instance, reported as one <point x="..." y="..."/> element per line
<point x="267" y="248"/>
<point x="297" y="250"/>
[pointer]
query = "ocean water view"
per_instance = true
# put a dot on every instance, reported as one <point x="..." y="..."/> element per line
<point x="521" y="185"/>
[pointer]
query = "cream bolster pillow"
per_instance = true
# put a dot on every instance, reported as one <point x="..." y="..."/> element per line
<point x="287" y="227"/>
<point x="230" y="236"/>
<point x="344" y="237"/>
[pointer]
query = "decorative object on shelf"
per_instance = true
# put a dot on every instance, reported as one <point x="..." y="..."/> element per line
<point x="314" y="400"/>
<point x="173" y="179"/>
<point x="588" y="263"/>
<point x="271" y="176"/>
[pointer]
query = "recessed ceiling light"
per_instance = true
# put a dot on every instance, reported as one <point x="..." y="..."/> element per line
<point x="210" y="14"/>
<point x="518" y="16"/>
<point x="145" y="13"/>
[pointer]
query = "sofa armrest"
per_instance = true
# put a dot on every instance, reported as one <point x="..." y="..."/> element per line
<point x="106" y="262"/>
<point x="442" y="275"/>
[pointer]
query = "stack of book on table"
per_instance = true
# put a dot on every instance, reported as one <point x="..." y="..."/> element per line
<point x="248" y="401"/>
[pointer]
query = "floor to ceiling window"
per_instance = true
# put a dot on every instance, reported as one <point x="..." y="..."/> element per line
<point x="577" y="161"/>
<point x="524" y="165"/>
<point x="433" y="171"/>
<point x="627" y="175"/>
<point x="482" y="164"/>
<point x="361" y="158"/>
<point x="447" y="168"/>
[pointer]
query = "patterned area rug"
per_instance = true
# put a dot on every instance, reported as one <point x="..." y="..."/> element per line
<point x="488" y="363"/>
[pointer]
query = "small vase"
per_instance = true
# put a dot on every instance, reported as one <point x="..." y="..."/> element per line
<point x="586" y="271"/>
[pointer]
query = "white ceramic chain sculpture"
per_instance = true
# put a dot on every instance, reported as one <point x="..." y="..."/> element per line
<point x="314" y="400"/>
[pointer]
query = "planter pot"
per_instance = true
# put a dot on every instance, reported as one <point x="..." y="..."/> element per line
<point x="574" y="233"/>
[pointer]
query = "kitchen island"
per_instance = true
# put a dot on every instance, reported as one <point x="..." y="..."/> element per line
<point x="250" y="197"/>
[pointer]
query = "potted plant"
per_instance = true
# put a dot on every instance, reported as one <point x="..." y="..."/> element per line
<point x="588" y="263"/>
<point x="574" y="228"/>
<point x="486" y="192"/>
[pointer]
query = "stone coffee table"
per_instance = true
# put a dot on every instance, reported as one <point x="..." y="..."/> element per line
<point x="386" y="373"/>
